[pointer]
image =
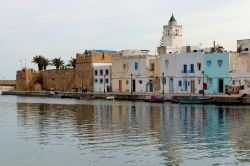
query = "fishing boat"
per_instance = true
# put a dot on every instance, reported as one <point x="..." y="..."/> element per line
<point x="155" y="99"/>
<point x="54" y="94"/>
<point x="195" y="100"/>
<point x="110" y="98"/>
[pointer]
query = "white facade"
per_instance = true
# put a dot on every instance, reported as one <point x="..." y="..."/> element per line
<point x="172" y="37"/>
<point x="183" y="72"/>
<point x="102" y="77"/>
<point x="138" y="73"/>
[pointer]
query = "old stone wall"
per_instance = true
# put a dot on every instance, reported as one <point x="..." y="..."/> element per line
<point x="62" y="79"/>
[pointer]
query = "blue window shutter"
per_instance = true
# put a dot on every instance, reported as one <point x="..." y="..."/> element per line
<point x="192" y="68"/>
<point x="180" y="83"/>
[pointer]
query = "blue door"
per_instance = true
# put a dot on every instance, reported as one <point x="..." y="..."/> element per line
<point x="150" y="86"/>
<point x="171" y="85"/>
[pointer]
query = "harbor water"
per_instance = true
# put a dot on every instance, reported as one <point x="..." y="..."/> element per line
<point x="36" y="131"/>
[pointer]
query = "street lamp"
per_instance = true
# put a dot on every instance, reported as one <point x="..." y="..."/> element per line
<point x="104" y="83"/>
<point x="163" y="83"/>
<point x="131" y="75"/>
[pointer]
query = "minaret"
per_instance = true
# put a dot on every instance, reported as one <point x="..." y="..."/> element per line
<point x="172" y="36"/>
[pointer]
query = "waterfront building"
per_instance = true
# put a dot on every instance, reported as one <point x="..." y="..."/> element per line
<point x="102" y="77"/>
<point x="120" y="77"/>
<point x="216" y="72"/>
<point x="155" y="79"/>
<point x="183" y="72"/>
<point x="240" y="68"/>
<point x="85" y="63"/>
<point x="171" y="39"/>
<point x="138" y="73"/>
<point x="239" y="82"/>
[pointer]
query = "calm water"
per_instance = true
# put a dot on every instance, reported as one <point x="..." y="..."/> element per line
<point x="41" y="131"/>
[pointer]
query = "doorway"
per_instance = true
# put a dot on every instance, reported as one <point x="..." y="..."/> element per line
<point x="220" y="85"/>
<point x="171" y="85"/>
<point x="133" y="86"/>
<point x="192" y="86"/>
<point x="120" y="85"/>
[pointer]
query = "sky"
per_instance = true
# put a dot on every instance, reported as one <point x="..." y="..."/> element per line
<point x="61" y="28"/>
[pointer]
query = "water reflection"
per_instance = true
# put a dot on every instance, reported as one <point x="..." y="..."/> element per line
<point x="137" y="133"/>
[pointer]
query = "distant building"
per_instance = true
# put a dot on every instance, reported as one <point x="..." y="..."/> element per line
<point x="132" y="52"/>
<point x="120" y="76"/>
<point x="138" y="72"/>
<point x="183" y="72"/>
<point x="171" y="41"/>
<point x="216" y="72"/>
<point x="85" y="64"/>
<point x="102" y="75"/>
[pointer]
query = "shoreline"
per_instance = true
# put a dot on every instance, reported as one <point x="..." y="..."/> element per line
<point x="220" y="99"/>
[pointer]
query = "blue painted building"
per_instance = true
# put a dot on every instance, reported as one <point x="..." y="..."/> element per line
<point x="216" y="72"/>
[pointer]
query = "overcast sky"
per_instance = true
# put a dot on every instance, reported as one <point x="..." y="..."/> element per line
<point x="61" y="28"/>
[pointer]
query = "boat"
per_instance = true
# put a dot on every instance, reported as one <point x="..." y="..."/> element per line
<point x="54" y="94"/>
<point x="195" y="100"/>
<point x="110" y="98"/>
<point x="155" y="99"/>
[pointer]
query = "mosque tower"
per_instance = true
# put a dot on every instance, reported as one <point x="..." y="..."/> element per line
<point x="172" y="37"/>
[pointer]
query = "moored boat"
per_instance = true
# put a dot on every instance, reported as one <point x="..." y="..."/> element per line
<point x="195" y="100"/>
<point x="155" y="99"/>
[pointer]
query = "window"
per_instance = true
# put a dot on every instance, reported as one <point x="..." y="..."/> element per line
<point x="126" y="82"/>
<point x="209" y="63"/>
<point x="96" y="80"/>
<point x="166" y="63"/>
<point x="220" y="63"/>
<point x="103" y="56"/>
<point x="106" y="72"/>
<point x="140" y="81"/>
<point x="177" y="32"/>
<point x="180" y="83"/>
<point x="152" y="67"/>
<point x="167" y="32"/>
<point x="233" y="82"/>
<point x="192" y="68"/>
<point x="101" y="80"/>
<point x="210" y="81"/>
<point x="136" y="65"/>
<point x="199" y="66"/>
<point x="101" y="72"/>
<point x="96" y="72"/>
<point x="184" y="68"/>
<point x="106" y="80"/>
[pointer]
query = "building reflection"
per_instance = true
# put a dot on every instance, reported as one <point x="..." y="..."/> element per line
<point x="170" y="128"/>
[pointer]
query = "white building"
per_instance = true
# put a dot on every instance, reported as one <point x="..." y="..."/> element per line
<point x="172" y="37"/>
<point x="138" y="73"/>
<point x="102" y="77"/>
<point x="183" y="72"/>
